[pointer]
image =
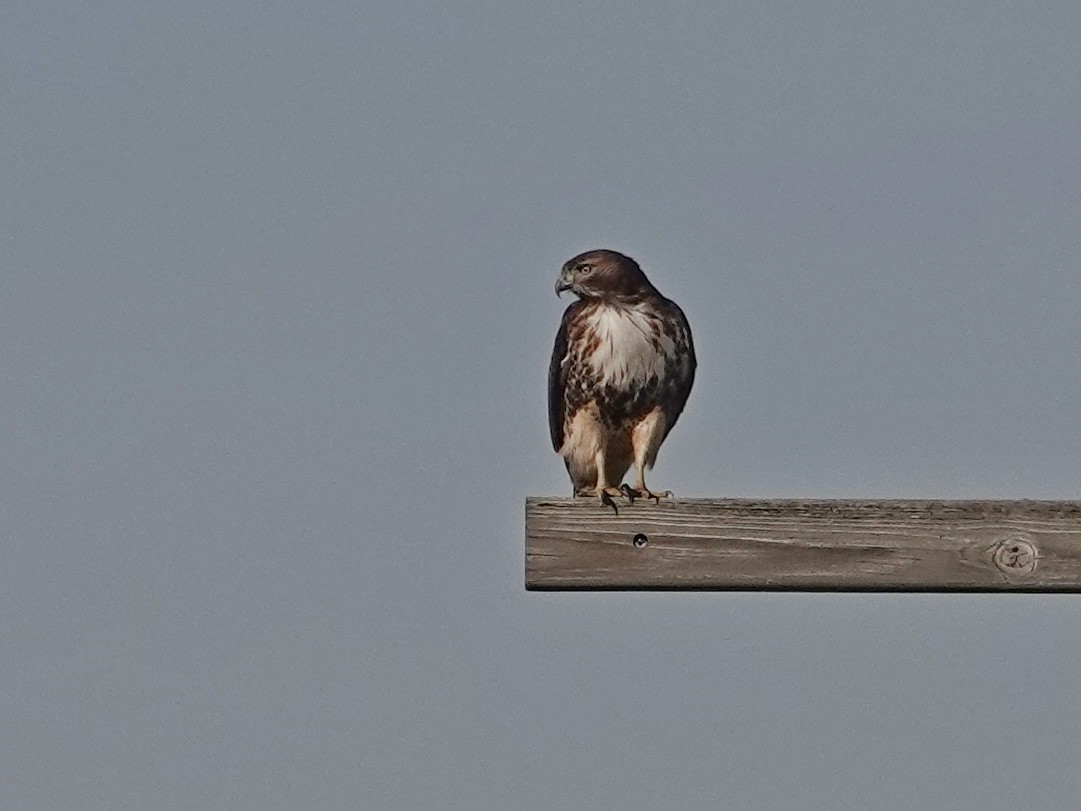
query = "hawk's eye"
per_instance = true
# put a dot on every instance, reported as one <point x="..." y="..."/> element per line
<point x="585" y="270"/>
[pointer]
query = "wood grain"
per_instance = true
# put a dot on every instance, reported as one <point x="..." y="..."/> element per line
<point x="733" y="544"/>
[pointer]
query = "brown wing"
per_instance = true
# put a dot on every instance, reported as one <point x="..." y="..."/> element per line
<point x="677" y="386"/>
<point x="557" y="381"/>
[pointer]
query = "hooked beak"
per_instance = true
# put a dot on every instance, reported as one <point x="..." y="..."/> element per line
<point x="564" y="283"/>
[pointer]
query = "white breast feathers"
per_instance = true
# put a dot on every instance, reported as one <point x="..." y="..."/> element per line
<point x="631" y="347"/>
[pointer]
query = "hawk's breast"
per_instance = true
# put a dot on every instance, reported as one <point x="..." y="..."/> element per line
<point x="626" y="346"/>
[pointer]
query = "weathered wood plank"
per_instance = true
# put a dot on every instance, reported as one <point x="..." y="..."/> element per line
<point x="735" y="544"/>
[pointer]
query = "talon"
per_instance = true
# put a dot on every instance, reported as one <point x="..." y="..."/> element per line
<point x="606" y="501"/>
<point x="627" y="492"/>
<point x="643" y="492"/>
<point x="603" y="494"/>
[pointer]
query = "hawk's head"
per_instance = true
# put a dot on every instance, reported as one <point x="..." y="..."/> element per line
<point x="603" y="274"/>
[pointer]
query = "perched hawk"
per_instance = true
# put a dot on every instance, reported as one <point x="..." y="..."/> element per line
<point x="621" y="370"/>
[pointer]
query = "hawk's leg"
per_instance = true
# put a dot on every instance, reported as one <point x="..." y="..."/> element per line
<point x="603" y="491"/>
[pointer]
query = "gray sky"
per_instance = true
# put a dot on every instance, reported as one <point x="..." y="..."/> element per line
<point x="276" y="307"/>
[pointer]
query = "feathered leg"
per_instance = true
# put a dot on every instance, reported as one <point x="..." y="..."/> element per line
<point x="603" y="491"/>
<point x="645" y="440"/>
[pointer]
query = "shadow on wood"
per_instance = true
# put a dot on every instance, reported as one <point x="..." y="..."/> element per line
<point x="732" y="544"/>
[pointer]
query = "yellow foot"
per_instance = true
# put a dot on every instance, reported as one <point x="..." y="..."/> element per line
<point x="603" y="494"/>
<point x="641" y="492"/>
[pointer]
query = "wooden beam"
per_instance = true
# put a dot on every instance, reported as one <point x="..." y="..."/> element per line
<point x="730" y="544"/>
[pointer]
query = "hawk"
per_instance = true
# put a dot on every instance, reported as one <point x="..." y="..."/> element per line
<point x="622" y="367"/>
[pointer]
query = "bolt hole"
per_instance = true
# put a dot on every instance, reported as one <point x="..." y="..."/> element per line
<point x="640" y="540"/>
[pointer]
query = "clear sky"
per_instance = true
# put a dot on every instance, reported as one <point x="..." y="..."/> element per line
<point x="276" y="304"/>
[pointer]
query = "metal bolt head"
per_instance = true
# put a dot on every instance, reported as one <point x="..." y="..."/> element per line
<point x="640" y="540"/>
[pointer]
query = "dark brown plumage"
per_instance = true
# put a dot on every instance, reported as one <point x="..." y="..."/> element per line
<point x="622" y="367"/>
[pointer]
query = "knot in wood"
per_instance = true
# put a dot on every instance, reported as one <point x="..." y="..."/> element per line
<point x="1015" y="557"/>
